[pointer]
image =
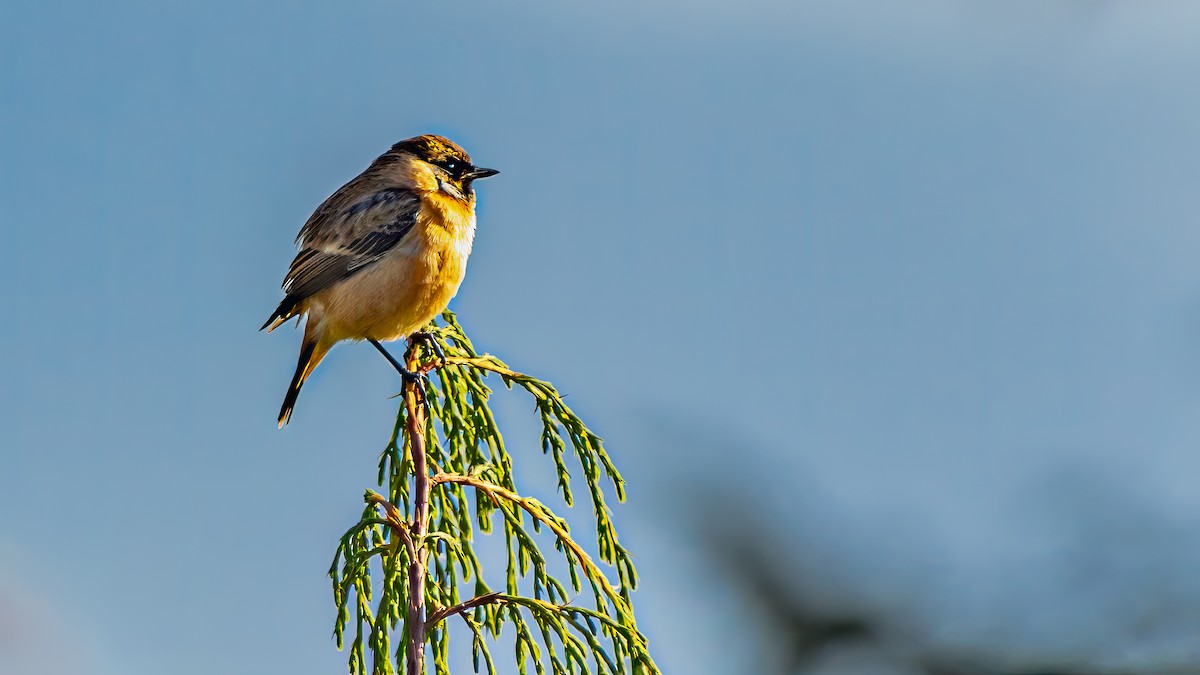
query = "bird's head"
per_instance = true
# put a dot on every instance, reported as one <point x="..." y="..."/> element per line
<point x="449" y="165"/>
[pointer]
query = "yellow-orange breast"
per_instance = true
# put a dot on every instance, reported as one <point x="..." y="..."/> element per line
<point x="409" y="286"/>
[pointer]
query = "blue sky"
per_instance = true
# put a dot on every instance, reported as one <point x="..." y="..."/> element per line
<point x="927" y="268"/>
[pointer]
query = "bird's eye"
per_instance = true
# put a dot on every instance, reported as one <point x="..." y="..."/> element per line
<point x="455" y="167"/>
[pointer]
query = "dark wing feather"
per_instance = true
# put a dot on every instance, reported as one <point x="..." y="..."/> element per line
<point x="342" y="237"/>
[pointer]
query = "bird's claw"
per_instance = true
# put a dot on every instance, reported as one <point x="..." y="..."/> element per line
<point x="419" y="381"/>
<point x="413" y="378"/>
<point x="431" y="342"/>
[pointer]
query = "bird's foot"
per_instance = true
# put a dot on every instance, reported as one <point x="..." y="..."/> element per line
<point x="412" y="377"/>
<point x="431" y="342"/>
<point x="419" y="382"/>
<point x="417" y="377"/>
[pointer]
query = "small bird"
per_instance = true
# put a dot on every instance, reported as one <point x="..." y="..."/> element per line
<point x="382" y="256"/>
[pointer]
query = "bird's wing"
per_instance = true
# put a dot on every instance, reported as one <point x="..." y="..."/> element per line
<point x="345" y="235"/>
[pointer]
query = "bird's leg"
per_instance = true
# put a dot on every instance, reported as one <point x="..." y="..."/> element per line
<point x="431" y="342"/>
<point x="405" y="373"/>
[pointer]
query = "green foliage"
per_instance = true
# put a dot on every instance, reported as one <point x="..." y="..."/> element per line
<point x="469" y="486"/>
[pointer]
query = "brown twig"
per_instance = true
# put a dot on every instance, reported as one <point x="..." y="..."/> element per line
<point x="395" y="520"/>
<point x="590" y="568"/>
<point x="418" y="563"/>
<point x="445" y="612"/>
<point x="498" y="598"/>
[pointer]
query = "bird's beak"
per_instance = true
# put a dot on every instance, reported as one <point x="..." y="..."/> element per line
<point x="479" y="172"/>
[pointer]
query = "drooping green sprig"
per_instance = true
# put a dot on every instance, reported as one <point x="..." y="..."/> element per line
<point x="468" y="486"/>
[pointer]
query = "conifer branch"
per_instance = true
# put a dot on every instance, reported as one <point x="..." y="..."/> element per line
<point x="420" y="538"/>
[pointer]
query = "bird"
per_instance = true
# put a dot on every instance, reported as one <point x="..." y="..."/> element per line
<point x="383" y="255"/>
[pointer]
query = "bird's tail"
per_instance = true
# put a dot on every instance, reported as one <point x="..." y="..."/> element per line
<point x="311" y="353"/>
<point x="285" y="311"/>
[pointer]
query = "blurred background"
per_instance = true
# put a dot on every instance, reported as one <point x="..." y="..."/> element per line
<point x="889" y="311"/>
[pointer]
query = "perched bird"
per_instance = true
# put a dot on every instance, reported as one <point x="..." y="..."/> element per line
<point x="382" y="256"/>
